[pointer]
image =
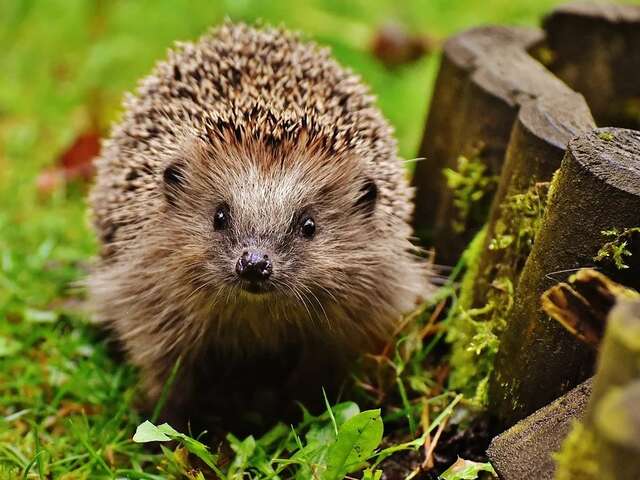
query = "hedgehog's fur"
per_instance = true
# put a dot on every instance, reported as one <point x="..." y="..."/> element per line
<point x="272" y="126"/>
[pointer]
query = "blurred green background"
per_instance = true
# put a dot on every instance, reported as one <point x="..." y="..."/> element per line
<point x="65" y="63"/>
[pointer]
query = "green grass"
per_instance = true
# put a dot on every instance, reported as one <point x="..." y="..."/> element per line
<point x="67" y="410"/>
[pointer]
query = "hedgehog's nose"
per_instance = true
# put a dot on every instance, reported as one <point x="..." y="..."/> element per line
<point x="254" y="266"/>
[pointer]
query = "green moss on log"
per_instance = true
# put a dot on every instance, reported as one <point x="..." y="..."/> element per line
<point x="617" y="416"/>
<point x="470" y="183"/>
<point x="462" y="329"/>
<point x="577" y="457"/>
<point x="475" y="331"/>
<point x="616" y="249"/>
<point x="519" y="222"/>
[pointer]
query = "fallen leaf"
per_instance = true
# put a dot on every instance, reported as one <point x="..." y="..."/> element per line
<point x="466" y="470"/>
<point x="393" y="45"/>
<point x="75" y="163"/>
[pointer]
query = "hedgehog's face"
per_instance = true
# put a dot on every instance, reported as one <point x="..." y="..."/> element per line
<point x="292" y="228"/>
<point x="254" y="251"/>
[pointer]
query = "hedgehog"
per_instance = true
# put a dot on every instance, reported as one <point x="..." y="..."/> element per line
<point x="251" y="202"/>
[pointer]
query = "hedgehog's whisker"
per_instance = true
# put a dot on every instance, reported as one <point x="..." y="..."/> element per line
<point x="328" y="292"/>
<point x="284" y="285"/>
<point x="307" y="289"/>
<point x="202" y="276"/>
<point x="228" y="297"/>
<point x="413" y="160"/>
<point x="302" y="298"/>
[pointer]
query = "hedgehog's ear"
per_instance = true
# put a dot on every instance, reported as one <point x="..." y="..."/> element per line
<point x="368" y="196"/>
<point x="174" y="180"/>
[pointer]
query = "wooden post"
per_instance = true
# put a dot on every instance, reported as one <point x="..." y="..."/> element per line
<point x="485" y="76"/>
<point x="597" y="189"/>
<point x="595" y="49"/>
<point x="459" y="61"/>
<point x="620" y="352"/>
<point x="538" y="142"/>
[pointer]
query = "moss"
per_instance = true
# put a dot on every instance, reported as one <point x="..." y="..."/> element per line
<point x="614" y="416"/>
<point x="519" y="222"/>
<point x="475" y="331"/>
<point x="545" y="55"/>
<point x="470" y="185"/>
<point x="476" y="341"/>
<point x="617" y="248"/>
<point x="460" y="331"/>
<point x="552" y="186"/>
<point x="471" y="257"/>
<point x="578" y="455"/>
<point x="606" y="136"/>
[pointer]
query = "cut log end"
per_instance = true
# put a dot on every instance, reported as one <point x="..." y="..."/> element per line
<point x="557" y="118"/>
<point x="611" y="154"/>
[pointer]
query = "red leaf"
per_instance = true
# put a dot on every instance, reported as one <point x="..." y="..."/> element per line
<point x="393" y="45"/>
<point x="75" y="163"/>
<point x="77" y="160"/>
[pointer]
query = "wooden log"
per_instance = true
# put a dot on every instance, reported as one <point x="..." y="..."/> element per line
<point x="610" y="430"/>
<point x="606" y="445"/>
<point x="537" y="145"/>
<point x="597" y="189"/>
<point x="485" y="75"/>
<point x="459" y="60"/>
<point x="526" y="449"/>
<point x="595" y="49"/>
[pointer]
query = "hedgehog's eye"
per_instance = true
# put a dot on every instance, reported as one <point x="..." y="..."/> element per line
<point x="307" y="227"/>
<point x="221" y="218"/>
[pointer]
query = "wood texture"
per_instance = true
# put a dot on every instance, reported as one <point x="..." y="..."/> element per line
<point x="597" y="189"/>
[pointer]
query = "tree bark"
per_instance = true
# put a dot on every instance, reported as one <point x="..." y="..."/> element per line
<point x="583" y="304"/>
<point x="597" y="189"/>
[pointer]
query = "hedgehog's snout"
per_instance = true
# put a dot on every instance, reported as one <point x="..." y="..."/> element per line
<point x="254" y="266"/>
